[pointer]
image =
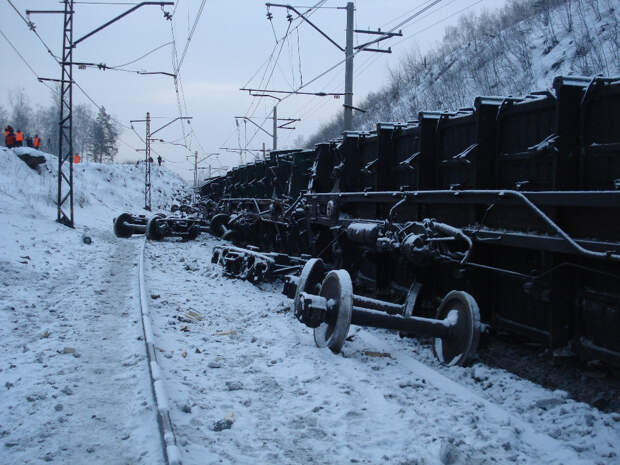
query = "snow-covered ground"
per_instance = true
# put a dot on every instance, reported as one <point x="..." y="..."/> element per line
<point x="245" y="382"/>
<point x="73" y="376"/>
<point x="234" y="355"/>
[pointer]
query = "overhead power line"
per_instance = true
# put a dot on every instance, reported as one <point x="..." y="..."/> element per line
<point x="254" y="104"/>
<point x="372" y="59"/>
<point x="32" y="27"/>
<point x="190" y="36"/>
<point x="143" y="56"/>
<point x="25" y="61"/>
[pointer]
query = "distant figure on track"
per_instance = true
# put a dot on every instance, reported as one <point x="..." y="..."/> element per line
<point x="36" y="142"/>
<point x="19" y="138"/>
<point x="159" y="159"/>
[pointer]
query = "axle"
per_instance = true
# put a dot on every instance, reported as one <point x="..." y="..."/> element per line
<point x="158" y="228"/>
<point x="126" y="225"/>
<point x="318" y="310"/>
<point x="330" y="307"/>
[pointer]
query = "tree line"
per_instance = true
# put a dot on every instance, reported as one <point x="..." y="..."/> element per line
<point x="95" y="136"/>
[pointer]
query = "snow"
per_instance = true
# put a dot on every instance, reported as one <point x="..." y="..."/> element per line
<point x="244" y="380"/>
<point x="72" y="371"/>
<point x="384" y="400"/>
<point x="520" y="59"/>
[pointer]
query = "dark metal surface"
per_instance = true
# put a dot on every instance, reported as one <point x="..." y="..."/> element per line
<point x="516" y="201"/>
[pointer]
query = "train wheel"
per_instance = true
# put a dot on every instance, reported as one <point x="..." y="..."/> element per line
<point x="154" y="229"/>
<point x="193" y="232"/>
<point x="121" y="229"/>
<point x="338" y="289"/>
<point x="309" y="281"/>
<point x="462" y="344"/>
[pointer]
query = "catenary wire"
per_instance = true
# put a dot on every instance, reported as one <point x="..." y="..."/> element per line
<point x="371" y="60"/>
<point x="25" y="61"/>
<point x="190" y="36"/>
<point x="307" y="13"/>
<point x="32" y="27"/>
<point x="143" y="56"/>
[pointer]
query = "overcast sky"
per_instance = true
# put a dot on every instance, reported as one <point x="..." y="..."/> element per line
<point x="229" y="49"/>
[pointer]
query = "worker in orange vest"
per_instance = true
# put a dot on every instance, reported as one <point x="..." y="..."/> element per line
<point x="10" y="138"/>
<point x="7" y="132"/>
<point x="36" y="142"/>
<point x="19" y="138"/>
<point x="76" y="158"/>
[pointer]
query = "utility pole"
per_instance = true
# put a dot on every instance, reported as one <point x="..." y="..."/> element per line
<point x="147" y="153"/>
<point x="196" y="168"/>
<point x="348" y="71"/>
<point x="147" y="164"/>
<point x="147" y="158"/>
<point x="349" y="51"/>
<point x="276" y="122"/>
<point x="65" y="183"/>
<point x="275" y="127"/>
<point x="64" y="201"/>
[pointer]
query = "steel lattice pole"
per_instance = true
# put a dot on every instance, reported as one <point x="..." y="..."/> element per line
<point x="147" y="165"/>
<point x="65" y="137"/>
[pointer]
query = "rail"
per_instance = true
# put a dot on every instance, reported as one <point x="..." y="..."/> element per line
<point x="172" y="453"/>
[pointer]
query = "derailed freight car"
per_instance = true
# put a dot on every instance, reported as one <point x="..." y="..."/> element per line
<point x="512" y="207"/>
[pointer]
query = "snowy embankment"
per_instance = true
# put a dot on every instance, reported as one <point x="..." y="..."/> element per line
<point x="248" y="386"/>
<point x="245" y="382"/>
<point x="73" y="377"/>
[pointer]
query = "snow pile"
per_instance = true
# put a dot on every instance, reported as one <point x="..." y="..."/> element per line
<point x="101" y="191"/>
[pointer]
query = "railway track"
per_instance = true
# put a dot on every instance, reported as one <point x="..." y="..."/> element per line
<point x="172" y="454"/>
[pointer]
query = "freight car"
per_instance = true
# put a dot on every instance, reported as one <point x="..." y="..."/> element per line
<point x="505" y="216"/>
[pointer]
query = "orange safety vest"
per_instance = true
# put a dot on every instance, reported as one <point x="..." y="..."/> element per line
<point x="76" y="159"/>
<point x="19" y="136"/>
<point x="36" y="142"/>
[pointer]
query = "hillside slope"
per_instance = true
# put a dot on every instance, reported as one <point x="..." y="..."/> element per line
<point x="102" y="191"/>
<point x="515" y="51"/>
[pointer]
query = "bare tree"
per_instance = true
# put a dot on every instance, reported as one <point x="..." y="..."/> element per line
<point x="567" y="15"/>
<point x="4" y="116"/>
<point x="21" y="113"/>
<point x="82" y="123"/>
<point x="47" y="124"/>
